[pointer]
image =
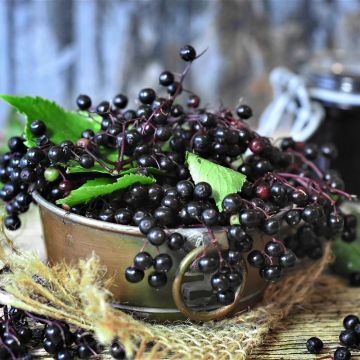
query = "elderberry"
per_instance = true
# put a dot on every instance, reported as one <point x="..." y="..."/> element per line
<point x="342" y="353"/>
<point x="117" y="351"/>
<point x="134" y="275"/>
<point x="244" y="112"/>
<point x="314" y="345"/>
<point x="187" y="53"/>
<point x="157" y="279"/>
<point x="37" y="127"/>
<point x="166" y="78"/>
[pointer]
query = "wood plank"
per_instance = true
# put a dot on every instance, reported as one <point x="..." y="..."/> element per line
<point x="320" y="316"/>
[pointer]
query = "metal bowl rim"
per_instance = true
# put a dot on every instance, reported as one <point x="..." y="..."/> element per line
<point x="98" y="224"/>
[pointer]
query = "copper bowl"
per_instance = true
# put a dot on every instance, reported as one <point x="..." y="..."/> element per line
<point x="70" y="237"/>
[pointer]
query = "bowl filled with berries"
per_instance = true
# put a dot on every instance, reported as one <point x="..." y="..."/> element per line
<point x="191" y="211"/>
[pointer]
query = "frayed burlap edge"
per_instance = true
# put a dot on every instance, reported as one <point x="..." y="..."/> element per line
<point x="78" y="296"/>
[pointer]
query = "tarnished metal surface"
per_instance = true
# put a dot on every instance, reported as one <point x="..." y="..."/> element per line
<point x="69" y="237"/>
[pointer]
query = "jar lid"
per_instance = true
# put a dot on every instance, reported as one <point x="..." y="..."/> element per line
<point x="334" y="78"/>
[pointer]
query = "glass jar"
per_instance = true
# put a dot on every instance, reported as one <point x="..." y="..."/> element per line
<point x="334" y="81"/>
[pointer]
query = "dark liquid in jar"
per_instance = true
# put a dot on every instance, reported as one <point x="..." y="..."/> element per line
<point x="342" y="127"/>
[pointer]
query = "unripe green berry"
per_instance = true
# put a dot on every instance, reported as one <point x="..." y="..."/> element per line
<point x="51" y="174"/>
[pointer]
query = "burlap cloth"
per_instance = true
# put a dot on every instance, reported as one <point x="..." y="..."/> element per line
<point x="78" y="296"/>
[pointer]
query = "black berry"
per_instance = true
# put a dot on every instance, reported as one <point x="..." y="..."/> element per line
<point x="187" y="53"/>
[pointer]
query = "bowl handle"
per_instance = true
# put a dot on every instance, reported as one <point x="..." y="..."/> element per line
<point x="203" y="315"/>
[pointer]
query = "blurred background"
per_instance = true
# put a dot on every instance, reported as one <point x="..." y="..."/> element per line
<point x="60" y="48"/>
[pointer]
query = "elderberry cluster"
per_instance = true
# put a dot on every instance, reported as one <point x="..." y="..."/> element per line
<point x="21" y="332"/>
<point x="349" y="338"/>
<point x="291" y="195"/>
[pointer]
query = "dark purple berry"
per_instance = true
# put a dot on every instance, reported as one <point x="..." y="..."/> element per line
<point x="342" y="353"/>
<point x="147" y="96"/>
<point x="155" y="235"/>
<point x="83" y="102"/>
<point x="350" y="322"/>
<point x="187" y="53"/>
<point x="314" y="345"/>
<point x="134" y="275"/>
<point x="143" y="261"/>
<point x="244" y="112"/>
<point x="162" y="263"/>
<point x="157" y="279"/>
<point x="226" y="297"/>
<point x="117" y="351"/>
<point x="38" y="128"/>
<point x="232" y="203"/>
<point x="120" y="101"/>
<point x="208" y="264"/>
<point x="256" y="259"/>
<point x="166" y="78"/>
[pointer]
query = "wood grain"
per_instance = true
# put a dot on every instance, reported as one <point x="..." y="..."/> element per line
<point x="320" y="316"/>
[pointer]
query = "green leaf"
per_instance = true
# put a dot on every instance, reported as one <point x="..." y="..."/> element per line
<point x="79" y="169"/>
<point x="74" y="169"/>
<point x="347" y="255"/>
<point x="166" y="146"/>
<point x="61" y="125"/>
<point x="111" y="154"/>
<point x="223" y="181"/>
<point x="102" y="186"/>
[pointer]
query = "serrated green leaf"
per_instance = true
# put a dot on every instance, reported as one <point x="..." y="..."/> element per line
<point x="61" y="125"/>
<point x="223" y="181"/>
<point x="102" y="186"/>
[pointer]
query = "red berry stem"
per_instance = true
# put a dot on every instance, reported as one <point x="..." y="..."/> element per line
<point x="268" y="257"/>
<point x="249" y="203"/>
<point x="89" y="347"/>
<point x="343" y="193"/>
<point x="299" y="179"/>
<point x="317" y="171"/>
<point x="215" y="243"/>
<point x="282" y="181"/>
<point x="48" y="322"/>
<point x="281" y="244"/>
<point x="146" y="243"/>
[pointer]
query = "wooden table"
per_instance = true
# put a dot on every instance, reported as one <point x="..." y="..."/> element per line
<point x="320" y="316"/>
